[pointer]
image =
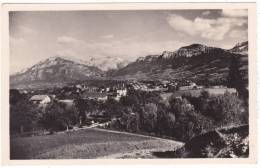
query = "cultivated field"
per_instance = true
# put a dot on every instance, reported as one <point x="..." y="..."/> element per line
<point x="87" y="143"/>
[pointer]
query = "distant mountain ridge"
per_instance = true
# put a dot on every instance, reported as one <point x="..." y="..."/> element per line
<point x="187" y="51"/>
<point x="55" y="70"/>
<point x="195" y="62"/>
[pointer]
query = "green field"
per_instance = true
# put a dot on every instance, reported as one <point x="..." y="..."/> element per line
<point x="84" y="144"/>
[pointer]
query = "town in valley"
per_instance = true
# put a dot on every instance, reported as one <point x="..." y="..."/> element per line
<point x="129" y="84"/>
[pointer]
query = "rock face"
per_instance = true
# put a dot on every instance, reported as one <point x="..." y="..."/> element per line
<point x="195" y="62"/>
<point x="241" y="48"/>
<point x="54" y="70"/>
<point x="193" y="50"/>
<point x="230" y="142"/>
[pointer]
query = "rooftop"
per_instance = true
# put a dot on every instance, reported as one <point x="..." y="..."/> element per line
<point x="39" y="97"/>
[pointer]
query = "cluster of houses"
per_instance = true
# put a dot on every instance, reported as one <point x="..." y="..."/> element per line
<point x="163" y="86"/>
<point x="116" y="92"/>
<point x="195" y="91"/>
<point x="83" y="91"/>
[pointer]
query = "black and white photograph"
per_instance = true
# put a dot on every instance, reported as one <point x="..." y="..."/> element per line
<point x="129" y="84"/>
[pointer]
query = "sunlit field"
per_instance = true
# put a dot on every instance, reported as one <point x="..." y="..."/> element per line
<point x="89" y="143"/>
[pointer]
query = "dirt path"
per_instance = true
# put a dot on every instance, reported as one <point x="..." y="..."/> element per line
<point x="140" y="135"/>
<point x="95" y="127"/>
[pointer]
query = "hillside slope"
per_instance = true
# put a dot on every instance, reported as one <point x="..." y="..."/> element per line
<point x="195" y="62"/>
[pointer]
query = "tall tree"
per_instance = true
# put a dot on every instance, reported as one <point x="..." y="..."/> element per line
<point x="149" y="117"/>
<point x="81" y="106"/>
<point x="23" y="114"/>
<point x="235" y="79"/>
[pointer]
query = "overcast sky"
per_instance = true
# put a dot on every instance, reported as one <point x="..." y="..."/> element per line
<point x="118" y="35"/>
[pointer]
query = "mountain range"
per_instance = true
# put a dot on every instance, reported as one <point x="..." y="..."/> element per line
<point x="196" y="62"/>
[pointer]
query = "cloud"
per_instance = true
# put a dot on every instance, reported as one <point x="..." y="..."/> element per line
<point x="113" y="53"/>
<point x="27" y="30"/>
<point x="238" y="34"/>
<point x="19" y="48"/>
<point x="108" y="36"/>
<point x="234" y="12"/>
<point x="181" y="24"/>
<point x="211" y="29"/>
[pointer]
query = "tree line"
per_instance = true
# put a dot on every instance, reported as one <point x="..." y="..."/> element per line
<point x="139" y="111"/>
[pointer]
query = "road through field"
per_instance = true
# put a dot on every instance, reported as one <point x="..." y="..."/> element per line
<point x="134" y="134"/>
<point x="88" y="143"/>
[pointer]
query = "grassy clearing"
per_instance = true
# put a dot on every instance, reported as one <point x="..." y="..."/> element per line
<point x="84" y="144"/>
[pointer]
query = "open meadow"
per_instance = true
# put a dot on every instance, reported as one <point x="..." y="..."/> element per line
<point x="85" y="144"/>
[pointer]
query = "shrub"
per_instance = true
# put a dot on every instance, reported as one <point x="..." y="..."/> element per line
<point x="189" y="122"/>
<point x="226" y="110"/>
<point x="57" y="117"/>
<point x="233" y="111"/>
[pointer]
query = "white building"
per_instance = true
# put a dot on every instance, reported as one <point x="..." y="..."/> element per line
<point x="40" y="99"/>
<point x="121" y="92"/>
<point x="189" y="87"/>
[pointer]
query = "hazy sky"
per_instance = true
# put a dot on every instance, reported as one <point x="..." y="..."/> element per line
<point x="118" y="35"/>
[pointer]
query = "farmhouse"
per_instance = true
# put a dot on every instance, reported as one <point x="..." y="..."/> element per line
<point x="121" y="92"/>
<point x="92" y="89"/>
<point x="40" y="99"/>
<point x="117" y="94"/>
<point x="189" y="87"/>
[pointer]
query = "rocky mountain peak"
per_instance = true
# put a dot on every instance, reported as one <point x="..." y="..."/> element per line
<point x="193" y="50"/>
<point x="186" y="51"/>
<point x="148" y="58"/>
<point x="240" y="48"/>
<point x="55" y="69"/>
<point x="168" y="54"/>
<point x="245" y="43"/>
